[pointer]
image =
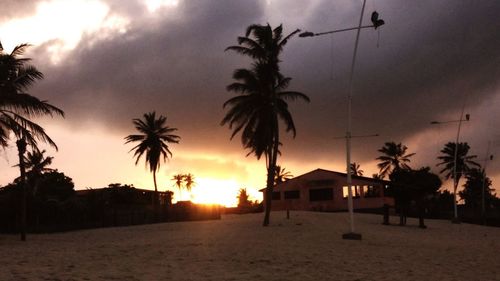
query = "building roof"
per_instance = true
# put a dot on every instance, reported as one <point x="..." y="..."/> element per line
<point x="335" y="173"/>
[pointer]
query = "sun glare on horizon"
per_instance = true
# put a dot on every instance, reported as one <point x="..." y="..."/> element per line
<point x="212" y="191"/>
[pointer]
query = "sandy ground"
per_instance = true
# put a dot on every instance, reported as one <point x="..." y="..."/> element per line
<point x="306" y="247"/>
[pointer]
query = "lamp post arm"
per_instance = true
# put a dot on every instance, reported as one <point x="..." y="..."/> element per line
<point x="342" y="30"/>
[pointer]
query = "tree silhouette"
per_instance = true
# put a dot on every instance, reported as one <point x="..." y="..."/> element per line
<point x="282" y="175"/>
<point x="262" y="100"/>
<point x="356" y="171"/>
<point x="464" y="163"/>
<point x="16" y="109"/>
<point x="243" y="199"/>
<point x="472" y="194"/>
<point x="153" y="140"/>
<point x="36" y="164"/>
<point x="413" y="185"/>
<point x="178" y="182"/>
<point x="393" y="158"/>
<point x="188" y="181"/>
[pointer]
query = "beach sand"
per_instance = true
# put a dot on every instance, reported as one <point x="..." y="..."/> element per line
<point x="308" y="246"/>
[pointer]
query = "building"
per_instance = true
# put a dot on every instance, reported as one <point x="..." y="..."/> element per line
<point x="323" y="190"/>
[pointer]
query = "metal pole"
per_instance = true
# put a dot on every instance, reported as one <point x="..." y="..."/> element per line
<point x="348" y="132"/>
<point x="455" y="178"/>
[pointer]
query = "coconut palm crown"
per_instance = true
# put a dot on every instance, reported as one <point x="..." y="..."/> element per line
<point x="465" y="161"/>
<point x="16" y="105"/>
<point x="393" y="157"/>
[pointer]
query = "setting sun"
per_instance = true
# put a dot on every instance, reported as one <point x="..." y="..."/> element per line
<point x="212" y="191"/>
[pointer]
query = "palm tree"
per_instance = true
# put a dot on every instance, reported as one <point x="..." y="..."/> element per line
<point x="394" y="158"/>
<point x="17" y="106"/>
<point x="262" y="100"/>
<point x="178" y="180"/>
<point x="153" y="142"/>
<point x="189" y="181"/>
<point x="281" y="175"/>
<point x="356" y="171"/>
<point x="37" y="164"/>
<point x="243" y="198"/>
<point x="454" y="170"/>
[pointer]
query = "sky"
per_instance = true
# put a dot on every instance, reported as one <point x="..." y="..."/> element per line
<point x="107" y="62"/>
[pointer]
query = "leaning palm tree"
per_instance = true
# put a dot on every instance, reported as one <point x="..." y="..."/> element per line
<point x="356" y="171"/>
<point x="262" y="99"/>
<point x="454" y="170"/>
<point x="153" y="142"/>
<point x="393" y="157"/>
<point x="16" y="109"/>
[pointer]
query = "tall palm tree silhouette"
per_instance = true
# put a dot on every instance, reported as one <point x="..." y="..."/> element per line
<point x="464" y="164"/>
<point x="153" y="140"/>
<point x="262" y="99"/>
<point x="393" y="157"/>
<point x="16" y="109"/>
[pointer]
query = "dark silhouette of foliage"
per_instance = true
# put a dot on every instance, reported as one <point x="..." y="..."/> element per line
<point x="393" y="158"/>
<point x="243" y="198"/>
<point x="261" y="99"/>
<point x="16" y="109"/>
<point x="179" y="183"/>
<point x="282" y="175"/>
<point x="55" y="185"/>
<point x="413" y="185"/>
<point x="472" y="194"/>
<point x="450" y="169"/>
<point x="153" y="141"/>
<point x="189" y="181"/>
<point x="16" y="105"/>
<point x="356" y="171"/>
<point x="465" y="162"/>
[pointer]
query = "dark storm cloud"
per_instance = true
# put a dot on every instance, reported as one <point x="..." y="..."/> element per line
<point x="429" y="54"/>
<point x="175" y="65"/>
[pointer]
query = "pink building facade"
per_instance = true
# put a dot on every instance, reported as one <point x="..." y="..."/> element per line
<point x="323" y="190"/>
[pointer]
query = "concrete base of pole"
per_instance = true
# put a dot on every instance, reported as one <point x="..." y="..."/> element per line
<point x="351" y="236"/>
<point x="455" y="220"/>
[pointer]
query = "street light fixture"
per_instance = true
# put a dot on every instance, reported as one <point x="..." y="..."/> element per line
<point x="455" y="182"/>
<point x="351" y="235"/>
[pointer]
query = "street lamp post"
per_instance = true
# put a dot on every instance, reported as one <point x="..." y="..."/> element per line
<point x="351" y="235"/>
<point x="455" y="178"/>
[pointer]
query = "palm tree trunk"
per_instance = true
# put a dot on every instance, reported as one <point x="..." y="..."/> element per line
<point x="21" y="148"/>
<point x="271" y="171"/>
<point x="155" y="197"/>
